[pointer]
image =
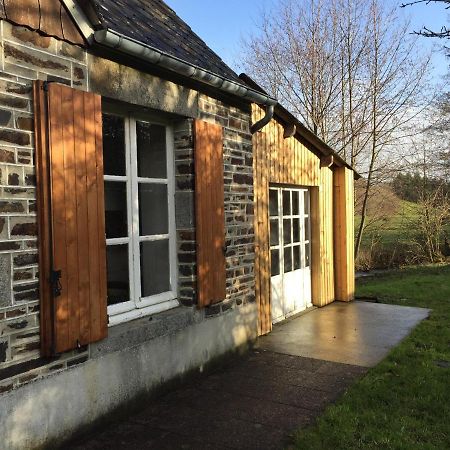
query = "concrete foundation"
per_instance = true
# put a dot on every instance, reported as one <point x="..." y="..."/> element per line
<point x="50" y="409"/>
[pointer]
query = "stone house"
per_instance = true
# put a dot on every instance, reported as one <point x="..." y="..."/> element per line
<point x="157" y="211"/>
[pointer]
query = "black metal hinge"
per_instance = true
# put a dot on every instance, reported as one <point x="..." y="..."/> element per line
<point x="55" y="281"/>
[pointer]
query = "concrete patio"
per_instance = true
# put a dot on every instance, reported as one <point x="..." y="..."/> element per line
<point x="357" y="333"/>
<point x="256" y="401"/>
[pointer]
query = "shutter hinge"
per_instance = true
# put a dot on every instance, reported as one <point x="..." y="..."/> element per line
<point x="55" y="281"/>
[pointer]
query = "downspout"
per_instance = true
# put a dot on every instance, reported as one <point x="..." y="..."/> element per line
<point x="154" y="56"/>
<point x="264" y="121"/>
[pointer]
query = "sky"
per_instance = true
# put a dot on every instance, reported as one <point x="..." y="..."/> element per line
<point x="223" y="25"/>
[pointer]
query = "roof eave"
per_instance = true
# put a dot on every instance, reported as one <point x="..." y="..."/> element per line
<point x="302" y="131"/>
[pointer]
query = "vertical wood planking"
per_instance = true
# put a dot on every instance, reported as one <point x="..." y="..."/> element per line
<point x="209" y="201"/>
<point x="82" y="218"/>
<point x="70" y="202"/>
<point x="77" y="211"/>
<point x="58" y="193"/>
<point x="43" y="216"/>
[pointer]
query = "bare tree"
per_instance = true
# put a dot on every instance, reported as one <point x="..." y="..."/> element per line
<point x="350" y="70"/>
<point x="444" y="32"/>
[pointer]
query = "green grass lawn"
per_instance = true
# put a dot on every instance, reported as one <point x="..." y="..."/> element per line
<point x="404" y="402"/>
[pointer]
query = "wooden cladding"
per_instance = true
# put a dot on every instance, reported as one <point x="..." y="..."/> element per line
<point x="282" y="159"/>
<point x="209" y="205"/>
<point x="344" y="234"/>
<point x="71" y="217"/>
<point x="48" y="16"/>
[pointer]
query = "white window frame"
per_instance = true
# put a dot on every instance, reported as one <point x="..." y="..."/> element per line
<point x="139" y="306"/>
<point x="303" y="213"/>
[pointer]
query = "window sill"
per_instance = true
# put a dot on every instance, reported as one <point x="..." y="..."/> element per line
<point x="136" y="332"/>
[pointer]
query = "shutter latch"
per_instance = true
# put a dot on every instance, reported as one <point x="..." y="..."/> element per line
<point x="55" y="281"/>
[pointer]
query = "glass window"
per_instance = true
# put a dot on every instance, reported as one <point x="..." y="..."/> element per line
<point x="151" y="150"/>
<point x="118" y="280"/>
<point x="287" y="259"/>
<point x="297" y="261"/>
<point x="274" y="232"/>
<point x="273" y="202"/>
<point x="295" y="203"/>
<point x="116" y="209"/>
<point x="153" y="209"/>
<point x="286" y="203"/>
<point x="114" y="161"/>
<point x="138" y="215"/>
<point x="275" y="262"/>
<point x="155" y="267"/>
<point x="287" y="231"/>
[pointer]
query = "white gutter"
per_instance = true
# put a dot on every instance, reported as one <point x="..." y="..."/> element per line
<point x="154" y="56"/>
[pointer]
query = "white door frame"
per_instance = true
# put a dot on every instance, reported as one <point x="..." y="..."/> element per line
<point x="291" y="286"/>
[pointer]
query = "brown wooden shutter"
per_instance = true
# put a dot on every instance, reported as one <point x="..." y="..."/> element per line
<point x="210" y="222"/>
<point x="70" y="216"/>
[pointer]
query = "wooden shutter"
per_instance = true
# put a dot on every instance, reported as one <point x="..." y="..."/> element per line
<point x="210" y="224"/>
<point x="70" y="216"/>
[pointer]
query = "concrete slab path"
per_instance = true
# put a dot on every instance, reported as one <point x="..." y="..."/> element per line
<point x="356" y="333"/>
<point x="258" y="400"/>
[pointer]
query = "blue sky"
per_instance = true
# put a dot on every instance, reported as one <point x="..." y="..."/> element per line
<point x="222" y="25"/>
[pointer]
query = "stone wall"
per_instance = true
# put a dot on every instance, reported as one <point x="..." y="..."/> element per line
<point x="238" y="181"/>
<point x="25" y="56"/>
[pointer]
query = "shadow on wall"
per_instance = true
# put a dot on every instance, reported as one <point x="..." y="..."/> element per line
<point x="52" y="408"/>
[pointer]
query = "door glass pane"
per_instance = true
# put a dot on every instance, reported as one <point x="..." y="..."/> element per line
<point x="118" y="285"/>
<point x="116" y="209"/>
<point x="287" y="259"/>
<point x="275" y="262"/>
<point x="306" y="228"/>
<point x="296" y="230"/>
<point x="114" y="145"/>
<point x="274" y="232"/>
<point x="306" y="200"/>
<point x="273" y="202"/>
<point x="307" y="255"/>
<point x="286" y="203"/>
<point x="155" y="267"/>
<point x="287" y="231"/>
<point x="297" y="262"/>
<point x="153" y="209"/>
<point x="295" y="200"/>
<point x="151" y="150"/>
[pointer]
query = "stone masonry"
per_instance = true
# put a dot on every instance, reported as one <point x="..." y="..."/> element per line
<point x="27" y="56"/>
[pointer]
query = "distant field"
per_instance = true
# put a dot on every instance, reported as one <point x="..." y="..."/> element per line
<point x="399" y="227"/>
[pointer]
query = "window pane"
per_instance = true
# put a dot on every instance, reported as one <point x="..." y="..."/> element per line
<point x="273" y="202"/>
<point x="287" y="259"/>
<point x="306" y="194"/>
<point x="295" y="200"/>
<point x="153" y="209"/>
<point x="118" y="284"/>
<point x="155" y="268"/>
<point x="307" y="255"/>
<point x="274" y="232"/>
<point x="297" y="262"/>
<point x="151" y="150"/>
<point x="306" y="228"/>
<point x="286" y="203"/>
<point x="287" y="231"/>
<point x="275" y="262"/>
<point x="116" y="209"/>
<point x="113" y="145"/>
<point x="296" y="230"/>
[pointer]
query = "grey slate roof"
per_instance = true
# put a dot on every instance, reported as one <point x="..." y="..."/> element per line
<point x="154" y="23"/>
